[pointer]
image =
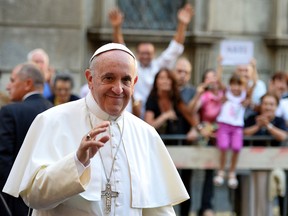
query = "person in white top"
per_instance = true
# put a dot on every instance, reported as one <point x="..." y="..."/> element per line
<point x="91" y="157"/>
<point x="148" y="65"/>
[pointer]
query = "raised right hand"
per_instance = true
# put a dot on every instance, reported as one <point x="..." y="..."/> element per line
<point x="90" y="145"/>
<point x="116" y="17"/>
<point x="185" y="14"/>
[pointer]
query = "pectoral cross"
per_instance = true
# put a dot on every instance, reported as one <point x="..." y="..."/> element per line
<point x="108" y="194"/>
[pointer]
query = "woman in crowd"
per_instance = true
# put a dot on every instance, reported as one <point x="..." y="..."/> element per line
<point x="63" y="84"/>
<point x="165" y="109"/>
<point x="167" y="112"/>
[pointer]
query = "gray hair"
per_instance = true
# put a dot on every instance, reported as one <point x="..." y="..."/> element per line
<point x="35" y="51"/>
<point x="31" y="71"/>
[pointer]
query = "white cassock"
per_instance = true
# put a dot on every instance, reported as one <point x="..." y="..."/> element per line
<point x="45" y="172"/>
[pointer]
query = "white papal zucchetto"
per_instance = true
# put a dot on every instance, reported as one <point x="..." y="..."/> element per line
<point x="111" y="46"/>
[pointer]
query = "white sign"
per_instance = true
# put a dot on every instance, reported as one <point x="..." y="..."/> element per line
<point x="236" y="52"/>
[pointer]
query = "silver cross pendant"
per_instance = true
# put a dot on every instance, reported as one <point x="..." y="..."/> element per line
<point x="108" y="194"/>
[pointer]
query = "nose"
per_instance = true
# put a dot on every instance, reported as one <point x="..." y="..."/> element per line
<point x="8" y="87"/>
<point x="117" y="88"/>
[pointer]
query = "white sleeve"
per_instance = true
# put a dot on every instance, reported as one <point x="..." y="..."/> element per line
<point x="55" y="183"/>
<point x="80" y="167"/>
<point x="169" y="56"/>
<point x="258" y="92"/>
<point x="159" y="211"/>
<point x="282" y="109"/>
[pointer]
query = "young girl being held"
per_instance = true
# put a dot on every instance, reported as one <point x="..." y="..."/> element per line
<point x="230" y="127"/>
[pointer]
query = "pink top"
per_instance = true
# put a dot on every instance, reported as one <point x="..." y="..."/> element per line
<point x="210" y="105"/>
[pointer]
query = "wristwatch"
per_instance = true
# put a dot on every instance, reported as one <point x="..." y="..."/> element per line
<point x="269" y="126"/>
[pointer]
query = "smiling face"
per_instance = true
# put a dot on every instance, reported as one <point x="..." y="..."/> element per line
<point x="111" y="80"/>
<point x="145" y="53"/>
<point x="164" y="82"/>
<point x="279" y="86"/>
<point x="236" y="89"/>
<point x="183" y="71"/>
<point x="210" y="80"/>
<point x="62" y="90"/>
<point x="268" y="105"/>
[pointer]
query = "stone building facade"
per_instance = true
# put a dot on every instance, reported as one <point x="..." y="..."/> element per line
<point x="70" y="30"/>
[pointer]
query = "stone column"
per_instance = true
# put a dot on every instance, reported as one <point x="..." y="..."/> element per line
<point x="202" y="46"/>
<point x="281" y="58"/>
<point x="277" y="39"/>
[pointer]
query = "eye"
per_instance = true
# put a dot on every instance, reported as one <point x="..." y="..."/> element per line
<point x="127" y="81"/>
<point x="107" y="79"/>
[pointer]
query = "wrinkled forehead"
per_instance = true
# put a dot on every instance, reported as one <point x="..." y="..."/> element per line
<point x="183" y="65"/>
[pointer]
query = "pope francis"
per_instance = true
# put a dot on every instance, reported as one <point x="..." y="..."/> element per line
<point x="91" y="157"/>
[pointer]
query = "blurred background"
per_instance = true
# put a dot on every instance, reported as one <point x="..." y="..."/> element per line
<point x="70" y="31"/>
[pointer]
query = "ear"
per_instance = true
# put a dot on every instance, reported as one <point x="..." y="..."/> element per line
<point x="89" y="77"/>
<point x="135" y="80"/>
<point x="29" y="85"/>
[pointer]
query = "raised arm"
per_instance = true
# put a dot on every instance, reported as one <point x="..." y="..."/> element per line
<point x="184" y="17"/>
<point x="116" y="18"/>
<point x="195" y="104"/>
<point x="249" y="89"/>
<point x="254" y="77"/>
<point x="219" y="72"/>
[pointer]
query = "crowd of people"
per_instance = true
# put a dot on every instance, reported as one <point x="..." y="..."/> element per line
<point x="64" y="148"/>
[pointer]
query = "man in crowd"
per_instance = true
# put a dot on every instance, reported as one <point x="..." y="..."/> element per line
<point x="91" y="157"/>
<point x="279" y="86"/>
<point x="148" y="65"/>
<point x="25" y="90"/>
<point x="182" y="72"/>
<point x="41" y="59"/>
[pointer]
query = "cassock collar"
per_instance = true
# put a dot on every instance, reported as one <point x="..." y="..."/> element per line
<point x="97" y="111"/>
